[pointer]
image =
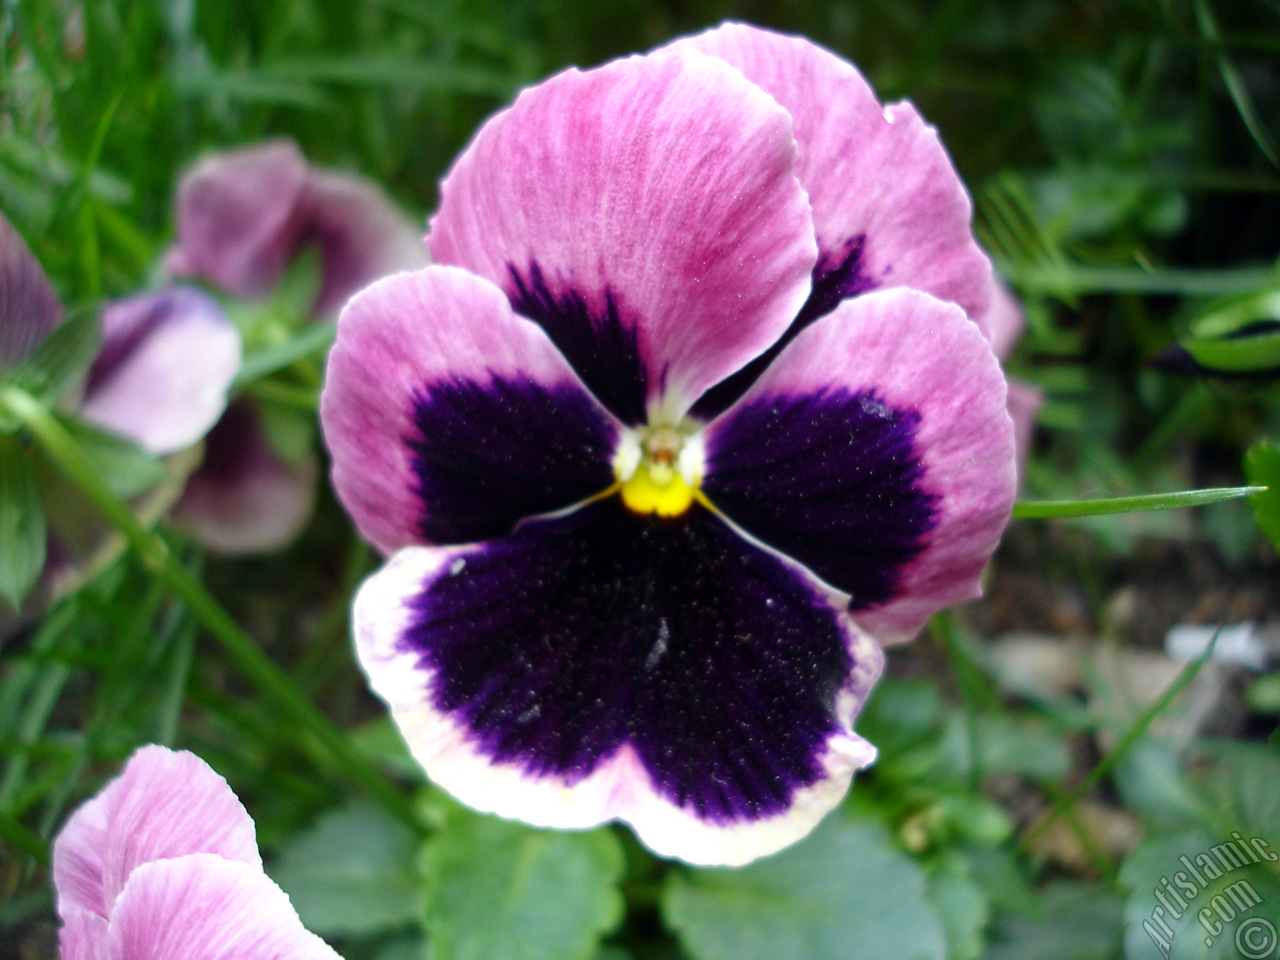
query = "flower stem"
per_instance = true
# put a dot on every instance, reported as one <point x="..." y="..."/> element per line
<point x="326" y="743"/>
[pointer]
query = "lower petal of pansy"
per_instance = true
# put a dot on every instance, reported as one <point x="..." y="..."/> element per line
<point x="162" y="375"/>
<point x="204" y="907"/>
<point x="877" y="450"/>
<point x="604" y="664"/>
<point x="449" y="418"/>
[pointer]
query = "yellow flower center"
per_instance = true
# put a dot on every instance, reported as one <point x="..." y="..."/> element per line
<point x="659" y="470"/>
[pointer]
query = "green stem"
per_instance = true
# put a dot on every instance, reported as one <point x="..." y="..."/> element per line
<point x="1049" y="509"/>
<point x="333" y="745"/>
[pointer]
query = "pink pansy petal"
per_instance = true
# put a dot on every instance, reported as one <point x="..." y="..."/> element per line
<point x="29" y="308"/>
<point x="1024" y="403"/>
<point x="84" y="936"/>
<point x="872" y="172"/>
<point x="646" y="214"/>
<point x="204" y="907"/>
<point x="449" y="418"/>
<point x="239" y="215"/>
<point x="905" y="512"/>
<point x="166" y="364"/>
<point x="243" y="498"/>
<point x="361" y="235"/>
<point x="613" y="700"/>
<point x="164" y="804"/>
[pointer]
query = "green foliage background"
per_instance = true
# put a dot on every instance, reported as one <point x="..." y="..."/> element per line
<point x="1123" y="161"/>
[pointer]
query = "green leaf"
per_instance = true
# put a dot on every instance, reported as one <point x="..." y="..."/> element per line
<point x="22" y="526"/>
<point x="50" y="370"/>
<point x="962" y="906"/>
<point x="312" y="338"/>
<point x="290" y="432"/>
<point x="497" y="890"/>
<point x="126" y="468"/>
<point x="1073" y="922"/>
<point x="842" y="892"/>
<point x="1262" y="469"/>
<point x="1050" y="509"/>
<point x="352" y="873"/>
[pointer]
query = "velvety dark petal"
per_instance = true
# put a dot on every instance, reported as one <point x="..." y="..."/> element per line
<point x="29" y="308"/>
<point x="449" y="418"/>
<point x="605" y="664"/>
<point x="878" y="451"/>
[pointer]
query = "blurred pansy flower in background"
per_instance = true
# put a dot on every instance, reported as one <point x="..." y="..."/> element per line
<point x="696" y="411"/>
<point x="244" y="217"/>
<point x="159" y="378"/>
<point x="1005" y="322"/>
<point x="163" y="863"/>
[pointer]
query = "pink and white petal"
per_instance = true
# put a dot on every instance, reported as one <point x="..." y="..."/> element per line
<point x="239" y="215"/>
<point x="84" y="935"/>
<point x="204" y="907"/>
<point x="166" y="804"/>
<point x="878" y="451"/>
<point x="884" y="190"/>
<point x="647" y="215"/>
<point x="79" y="853"/>
<point x="711" y="711"/>
<point x="1003" y="321"/>
<point x="29" y="307"/>
<point x="243" y="499"/>
<point x="361" y="234"/>
<point x="166" y="364"/>
<point x="449" y="418"/>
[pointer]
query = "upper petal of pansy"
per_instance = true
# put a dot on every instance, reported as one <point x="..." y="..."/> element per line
<point x="449" y="418"/>
<point x="83" y="936"/>
<point x="647" y="215"/>
<point x="162" y="375"/>
<point x="360" y="233"/>
<point x="29" y="308"/>
<point x="1004" y="320"/>
<point x="239" y="215"/>
<point x="204" y="907"/>
<point x="164" y="804"/>
<point x="888" y="207"/>
<point x="604" y="664"/>
<point x="876" y="450"/>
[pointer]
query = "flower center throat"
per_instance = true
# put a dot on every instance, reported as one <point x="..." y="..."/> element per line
<point x="659" y="469"/>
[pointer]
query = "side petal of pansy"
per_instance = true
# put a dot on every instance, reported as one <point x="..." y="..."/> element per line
<point x="361" y="235"/>
<point x="449" y="418"/>
<point x="877" y="450"/>
<point x="204" y="907"/>
<point x="164" y="804"/>
<point x="83" y="936"/>
<point x="239" y="216"/>
<point x="646" y="214"/>
<point x="243" y="498"/>
<point x="162" y="375"/>
<point x="29" y="307"/>
<point x="607" y="665"/>
<point x="889" y="208"/>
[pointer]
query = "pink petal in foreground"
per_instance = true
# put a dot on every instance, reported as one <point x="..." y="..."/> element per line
<point x="164" y="804"/>
<point x="166" y="364"/>
<point x="647" y="215"/>
<point x="204" y="907"/>
<point x="84" y="936"/>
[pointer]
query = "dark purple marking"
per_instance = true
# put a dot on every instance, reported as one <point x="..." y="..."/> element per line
<point x="601" y="345"/>
<point x="489" y="455"/>
<point x="837" y="276"/>
<point x="713" y="659"/>
<point x="831" y="479"/>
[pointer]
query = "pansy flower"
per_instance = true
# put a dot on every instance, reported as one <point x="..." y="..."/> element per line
<point x="163" y="863"/>
<point x="243" y="217"/>
<point x="691" y="416"/>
